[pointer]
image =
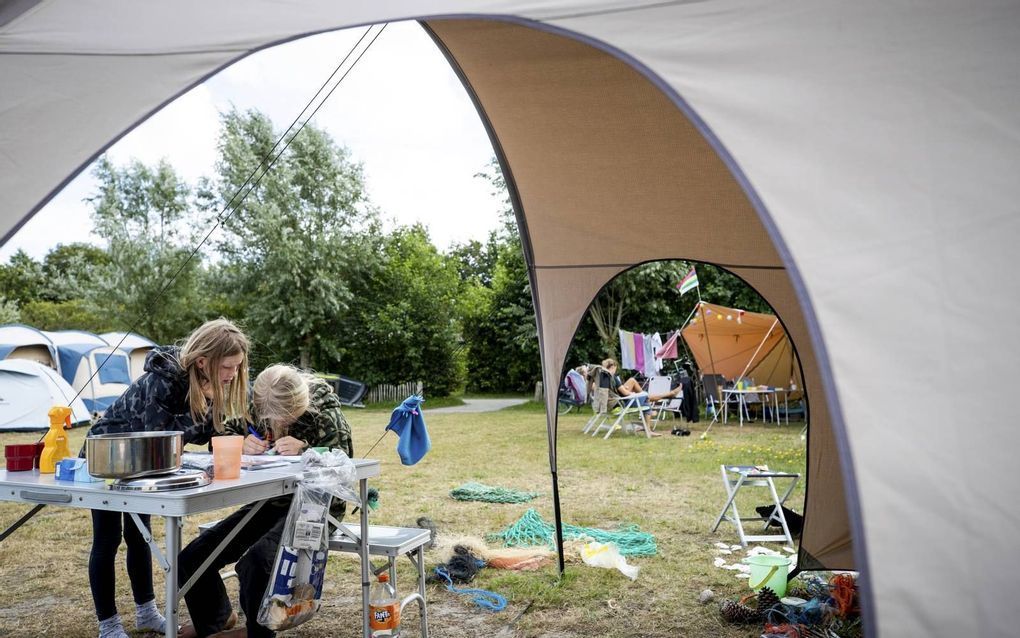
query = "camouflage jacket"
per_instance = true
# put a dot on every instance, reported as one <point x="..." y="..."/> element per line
<point x="157" y="400"/>
<point x="323" y="425"/>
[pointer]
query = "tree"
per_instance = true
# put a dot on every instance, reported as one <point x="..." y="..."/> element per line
<point x="406" y="326"/>
<point x="298" y="243"/>
<point x="70" y="271"/>
<point x="21" y="278"/>
<point x="145" y="216"/>
<point x="9" y="312"/>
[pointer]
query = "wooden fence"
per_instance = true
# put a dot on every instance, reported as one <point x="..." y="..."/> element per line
<point x="385" y="393"/>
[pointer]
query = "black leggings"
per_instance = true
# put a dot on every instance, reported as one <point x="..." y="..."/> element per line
<point x="253" y="549"/>
<point x="106" y="534"/>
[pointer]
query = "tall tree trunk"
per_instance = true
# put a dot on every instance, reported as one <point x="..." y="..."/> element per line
<point x="305" y="353"/>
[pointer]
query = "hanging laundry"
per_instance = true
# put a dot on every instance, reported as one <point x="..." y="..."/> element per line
<point x="627" y="354"/>
<point x="668" y="349"/>
<point x="652" y="364"/>
<point x="639" y="352"/>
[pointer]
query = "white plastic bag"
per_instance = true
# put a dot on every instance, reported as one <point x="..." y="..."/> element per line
<point x="295" y="582"/>
<point x="608" y="555"/>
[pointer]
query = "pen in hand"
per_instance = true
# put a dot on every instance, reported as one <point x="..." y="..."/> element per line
<point x="255" y="433"/>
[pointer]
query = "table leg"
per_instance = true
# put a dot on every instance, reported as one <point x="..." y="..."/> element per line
<point x="363" y="552"/>
<point x="173" y="550"/>
<point x="21" y="521"/>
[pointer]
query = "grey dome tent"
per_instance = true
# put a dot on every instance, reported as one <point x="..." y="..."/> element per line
<point x="856" y="162"/>
<point x="28" y="389"/>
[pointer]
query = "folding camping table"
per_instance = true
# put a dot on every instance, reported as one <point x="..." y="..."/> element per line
<point x="736" y="477"/>
<point x="770" y="399"/>
<point x="258" y="485"/>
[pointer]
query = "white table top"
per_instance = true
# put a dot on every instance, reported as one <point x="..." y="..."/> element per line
<point x="253" y="485"/>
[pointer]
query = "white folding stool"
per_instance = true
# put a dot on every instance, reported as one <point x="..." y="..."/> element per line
<point x="736" y="477"/>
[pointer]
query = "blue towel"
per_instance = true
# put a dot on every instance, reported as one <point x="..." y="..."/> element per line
<point x="409" y="424"/>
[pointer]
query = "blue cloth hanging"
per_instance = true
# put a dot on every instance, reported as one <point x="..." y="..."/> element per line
<point x="409" y="424"/>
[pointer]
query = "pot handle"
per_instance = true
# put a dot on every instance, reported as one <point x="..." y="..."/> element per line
<point x="45" y="497"/>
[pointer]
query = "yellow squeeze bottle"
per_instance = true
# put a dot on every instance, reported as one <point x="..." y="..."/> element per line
<point x="55" y="445"/>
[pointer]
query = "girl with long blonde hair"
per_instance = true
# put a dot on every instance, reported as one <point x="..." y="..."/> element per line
<point x="194" y="388"/>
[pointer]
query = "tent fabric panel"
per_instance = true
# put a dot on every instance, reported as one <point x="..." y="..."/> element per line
<point x="70" y="356"/>
<point x="20" y="396"/>
<point x="127" y="341"/>
<point x="561" y="298"/>
<point x="113" y="370"/>
<point x="754" y="345"/>
<point x="607" y="168"/>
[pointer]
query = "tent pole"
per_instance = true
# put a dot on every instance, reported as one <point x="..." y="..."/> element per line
<point x="758" y="349"/>
<point x="559" y="522"/>
<point x="704" y="325"/>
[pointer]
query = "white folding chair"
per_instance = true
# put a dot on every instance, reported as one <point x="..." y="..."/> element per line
<point x="737" y="477"/>
<point x="659" y="386"/>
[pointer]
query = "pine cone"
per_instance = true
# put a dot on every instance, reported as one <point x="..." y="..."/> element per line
<point x="767" y="599"/>
<point x="799" y="592"/>
<point x="735" y="612"/>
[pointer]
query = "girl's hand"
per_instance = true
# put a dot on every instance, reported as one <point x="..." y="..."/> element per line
<point x="289" y="446"/>
<point x="253" y="445"/>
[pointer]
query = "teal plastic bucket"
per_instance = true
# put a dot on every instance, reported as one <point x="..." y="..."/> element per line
<point x="769" y="571"/>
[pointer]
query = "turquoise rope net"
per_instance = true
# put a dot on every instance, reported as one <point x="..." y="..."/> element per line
<point x="481" y="492"/>
<point x="531" y="530"/>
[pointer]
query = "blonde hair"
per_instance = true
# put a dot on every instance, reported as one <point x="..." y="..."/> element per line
<point x="608" y="363"/>
<point x="214" y="341"/>
<point x="281" y="396"/>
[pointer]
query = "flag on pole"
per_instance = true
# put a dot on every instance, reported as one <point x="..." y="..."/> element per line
<point x="688" y="283"/>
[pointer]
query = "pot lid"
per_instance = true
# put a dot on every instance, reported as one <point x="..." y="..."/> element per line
<point x="179" y="480"/>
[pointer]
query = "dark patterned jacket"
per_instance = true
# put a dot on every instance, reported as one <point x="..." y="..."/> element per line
<point x="157" y="400"/>
<point x="323" y="425"/>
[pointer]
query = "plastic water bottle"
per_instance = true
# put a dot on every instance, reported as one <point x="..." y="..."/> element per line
<point x="384" y="609"/>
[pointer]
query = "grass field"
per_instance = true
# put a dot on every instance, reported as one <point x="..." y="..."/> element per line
<point x="668" y="486"/>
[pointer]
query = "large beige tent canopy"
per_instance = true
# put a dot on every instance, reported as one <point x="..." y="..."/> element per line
<point x="856" y="162"/>
<point x="740" y="344"/>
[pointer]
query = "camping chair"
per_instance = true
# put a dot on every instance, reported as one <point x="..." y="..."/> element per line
<point x="671" y="406"/>
<point x="573" y="392"/>
<point x="712" y="384"/>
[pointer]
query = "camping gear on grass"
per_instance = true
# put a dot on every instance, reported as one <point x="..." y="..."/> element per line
<point x="295" y="581"/>
<point x="608" y="555"/>
<point x="134" y="454"/>
<point x="768" y="571"/>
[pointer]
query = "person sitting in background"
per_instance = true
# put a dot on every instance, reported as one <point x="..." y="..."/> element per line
<point x="632" y="387"/>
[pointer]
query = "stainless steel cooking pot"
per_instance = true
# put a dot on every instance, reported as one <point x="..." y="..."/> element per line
<point x="133" y="454"/>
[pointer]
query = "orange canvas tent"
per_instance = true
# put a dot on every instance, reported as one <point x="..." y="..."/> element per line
<point x="736" y="343"/>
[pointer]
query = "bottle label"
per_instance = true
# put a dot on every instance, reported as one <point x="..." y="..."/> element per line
<point x="386" y="616"/>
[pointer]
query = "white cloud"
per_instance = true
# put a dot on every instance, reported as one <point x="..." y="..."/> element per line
<point x="401" y="111"/>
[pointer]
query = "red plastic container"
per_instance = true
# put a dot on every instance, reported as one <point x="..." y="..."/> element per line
<point x="22" y="457"/>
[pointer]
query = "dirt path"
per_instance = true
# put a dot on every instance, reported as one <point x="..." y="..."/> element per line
<point x="478" y="405"/>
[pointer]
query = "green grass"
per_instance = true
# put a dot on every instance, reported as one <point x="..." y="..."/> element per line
<point x="668" y="486"/>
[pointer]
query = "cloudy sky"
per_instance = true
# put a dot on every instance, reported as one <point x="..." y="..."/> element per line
<point x="401" y="111"/>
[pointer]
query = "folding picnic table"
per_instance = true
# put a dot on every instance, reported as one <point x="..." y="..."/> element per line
<point x="173" y="505"/>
